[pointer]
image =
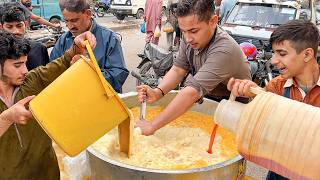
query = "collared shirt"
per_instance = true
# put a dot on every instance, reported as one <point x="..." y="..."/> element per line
<point x="214" y="65"/>
<point x="108" y="53"/>
<point x="312" y="97"/>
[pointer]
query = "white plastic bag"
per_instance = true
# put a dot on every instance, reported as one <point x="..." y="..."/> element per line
<point x="78" y="167"/>
<point x="157" y="32"/>
<point x="168" y="28"/>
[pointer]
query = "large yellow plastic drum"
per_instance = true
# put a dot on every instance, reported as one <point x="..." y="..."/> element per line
<point x="79" y="107"/>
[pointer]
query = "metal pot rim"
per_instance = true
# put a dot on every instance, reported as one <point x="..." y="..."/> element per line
<point x="99" y="155"/>
<point x="117" y="163"/>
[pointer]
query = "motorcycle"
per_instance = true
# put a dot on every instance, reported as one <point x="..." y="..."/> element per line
<point x="155" y="63"/>
<point x="101" y="9"/>
<point x="50" y="39"/>
<point x="262" y="71"/>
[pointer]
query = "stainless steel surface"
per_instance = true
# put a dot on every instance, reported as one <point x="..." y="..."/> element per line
<point x="103" y="167"/>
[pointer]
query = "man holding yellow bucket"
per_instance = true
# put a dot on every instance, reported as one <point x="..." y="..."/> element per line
<point x="25" y="150"/>
<point x="78" y="18"/>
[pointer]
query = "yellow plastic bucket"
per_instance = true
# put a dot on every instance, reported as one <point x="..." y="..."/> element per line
<point x="79" y="107"/>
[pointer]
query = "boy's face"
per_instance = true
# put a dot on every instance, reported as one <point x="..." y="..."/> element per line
<point x="16" y="28"/>
<point x="14" y="71"/>
<point x="286" y="59"/>
<point x="196" y="32"/>
<point x="77" y="23"/>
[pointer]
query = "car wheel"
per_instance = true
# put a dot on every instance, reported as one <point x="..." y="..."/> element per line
<point x="140" y="14"/>
<point x="120" y="16"/>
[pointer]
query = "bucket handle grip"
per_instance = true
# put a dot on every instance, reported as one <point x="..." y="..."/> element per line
<point x="96" y="66"/>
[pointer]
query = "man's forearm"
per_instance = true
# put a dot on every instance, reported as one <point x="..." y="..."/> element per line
<point x="41" y="20"/>
<point x="179" y="105"/>
<point x="172" y="79"/>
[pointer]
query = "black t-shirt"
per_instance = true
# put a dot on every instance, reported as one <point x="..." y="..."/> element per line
<point x="38" y="56"/>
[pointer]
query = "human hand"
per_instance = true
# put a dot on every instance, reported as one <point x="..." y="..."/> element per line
<point x="145" y="92"/>
<point x="79" y="46"/>
<point x="146" y="127"/>
<point x="240" y="87"/>
<point x="18" y="112"/>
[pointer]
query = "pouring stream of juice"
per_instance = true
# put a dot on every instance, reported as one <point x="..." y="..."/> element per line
<point x="213" y="135"/>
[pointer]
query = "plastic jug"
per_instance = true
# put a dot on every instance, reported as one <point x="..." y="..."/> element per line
<point x="79" y="107"/>
<point x="275" y="132"/>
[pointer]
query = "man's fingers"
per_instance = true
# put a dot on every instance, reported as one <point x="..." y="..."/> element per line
<point x="230" y="83"/>
<point x="86" y="36"/>
<point x="235" y="88"/>
<point x="28" y="114"/>
<point x="75" y="59"/>
<point x="92" y="39"/>
<point x="142" y="88"/>
<point x="25" y="100"/>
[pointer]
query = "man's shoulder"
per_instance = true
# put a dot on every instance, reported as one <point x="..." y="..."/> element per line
<point x="65" y="35"/>
<point x="106" y="34"/>
<point x="35" y="44"/>
<point x="225" y="44"/>
<point x="104" y="30"/>
<point x="276" y="84"/>
<point x="223" y="37"/>
<point x="278" y="80"/>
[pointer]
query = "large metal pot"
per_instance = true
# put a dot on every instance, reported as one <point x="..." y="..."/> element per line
<point x="103" y="167"/>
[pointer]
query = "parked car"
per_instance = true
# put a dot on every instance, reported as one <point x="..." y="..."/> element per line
<point x="47" y="9"/>
<point x="254" y="20"/>
<point x="123" y="8"/>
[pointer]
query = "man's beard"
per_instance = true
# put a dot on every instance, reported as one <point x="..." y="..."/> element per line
<point x="6" y="79"/>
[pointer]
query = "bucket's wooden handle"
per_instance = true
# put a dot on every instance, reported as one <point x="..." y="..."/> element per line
<point x="96" y="66"/>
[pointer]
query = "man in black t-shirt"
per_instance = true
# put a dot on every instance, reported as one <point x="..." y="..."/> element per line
<point x="13" y="21"/>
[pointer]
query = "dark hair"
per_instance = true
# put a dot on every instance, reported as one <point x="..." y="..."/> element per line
<point x="12" y="47"/>
<point x="12" y="14"/>
<point x="302" y="34"/>
<point x="76" y="6"/>
<point x="203" y="8"/>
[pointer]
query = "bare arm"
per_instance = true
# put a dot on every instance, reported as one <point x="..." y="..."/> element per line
<point x="43" y="21"/>
<point x="173" y="77"/>
<point x="179" y="105"/>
